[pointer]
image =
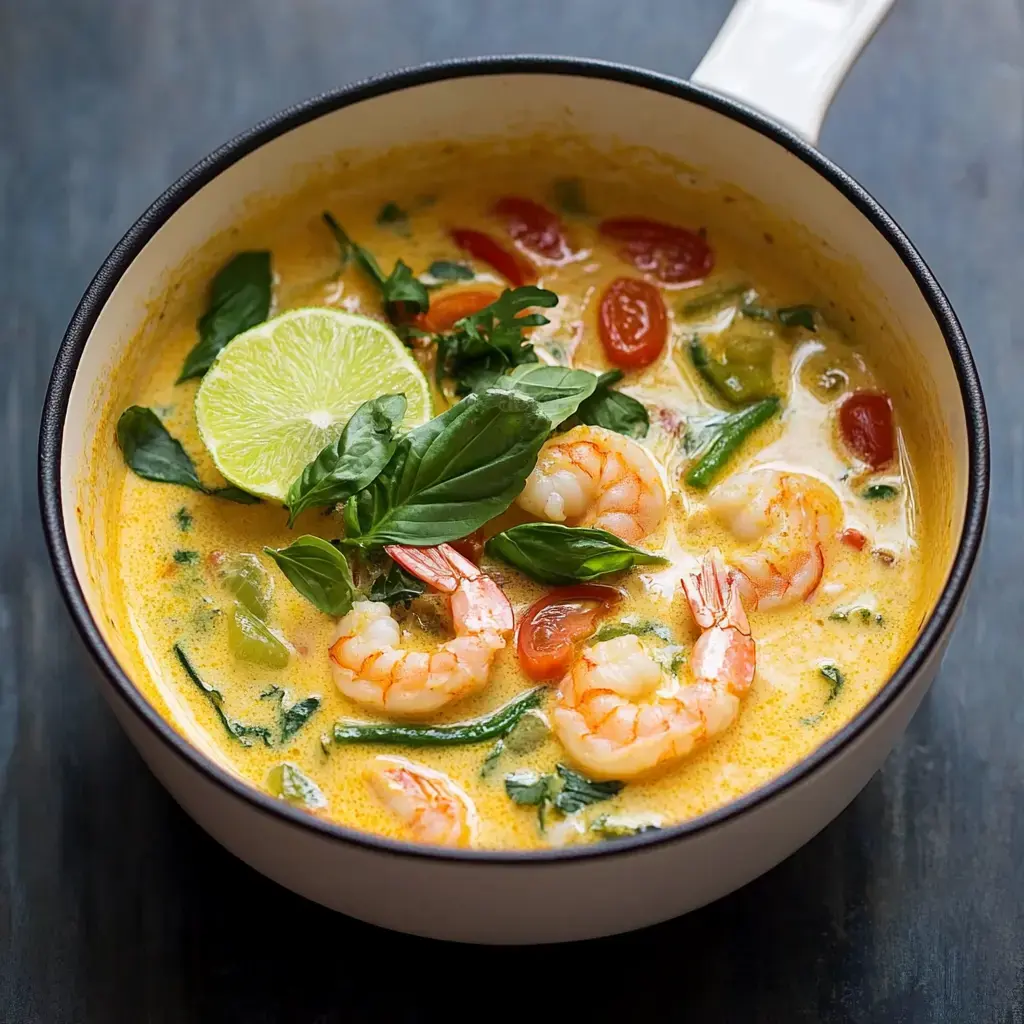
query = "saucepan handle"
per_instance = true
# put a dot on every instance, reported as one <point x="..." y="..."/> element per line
<point x="787" y="58"/>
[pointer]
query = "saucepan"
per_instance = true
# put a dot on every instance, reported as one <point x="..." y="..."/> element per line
<point x="752" y="112"/>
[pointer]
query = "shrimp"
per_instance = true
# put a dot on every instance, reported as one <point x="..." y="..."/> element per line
<point x="590" y="476"/>
<point x="432" y="808"/>
<point x="371" y="667"/>
<point x="793" y="516"/>
<point x="620" y="716"/>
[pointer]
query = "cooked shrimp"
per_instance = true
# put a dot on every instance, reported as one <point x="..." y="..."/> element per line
<point x="791" y="517"/>
<point x="432" y="808"/>
<point x="620" y="716"/>
<point x="590" y="476"/>
<point x="370" y="665"/>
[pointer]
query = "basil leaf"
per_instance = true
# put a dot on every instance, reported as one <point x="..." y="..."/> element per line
<point x="613" y="410"/>
<point x="393" y="216"/>
<point x="556" y="389"/>
<point x="400" y="286"/>
<point x="449" y="270"/>
<point x="527" y="787"/>
<point x="616" y="828"/>
<point x="291" y="717"/>
<point x="451" y="475"/>
<point x="151" y="452"/>
<point x="578" y="791"/>
<point x="553" y="553"/>
<point x="830" y="672"/>
<point x="350" y="463"/>
<point x="796" y="316"/>
<point x="396" y="586"/>
<point x="239" y="299"/>
<point x="318" y="571"/>
<point x="235" y="494"/>
<point x="286" y="782"/>
<point x="631" y="627"/>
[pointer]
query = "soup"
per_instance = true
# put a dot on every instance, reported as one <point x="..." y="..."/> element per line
<point x="624" y="485"/>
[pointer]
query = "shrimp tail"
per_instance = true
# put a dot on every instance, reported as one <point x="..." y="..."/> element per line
<point x="441" y="566"/>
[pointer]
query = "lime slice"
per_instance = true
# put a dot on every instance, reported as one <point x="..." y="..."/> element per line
<point x="283" y="390"/>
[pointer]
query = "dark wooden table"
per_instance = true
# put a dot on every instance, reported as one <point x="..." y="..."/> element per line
<point x="115" y="907"/>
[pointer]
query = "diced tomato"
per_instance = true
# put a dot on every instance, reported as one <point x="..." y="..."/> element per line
<point x="472" y="546"/>
<point x="671" y="254"/>
<point x="534" y="227"/>
<point x="554" y="625"/>
<point x="865" y="425"/>
<point x="632" y="322"/>
<point x="517" y="270"/>
<point x="854" y="538"/>
<point x="449" y="307"/>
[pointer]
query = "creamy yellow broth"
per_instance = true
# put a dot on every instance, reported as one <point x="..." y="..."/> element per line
<point x="160" y="601"/>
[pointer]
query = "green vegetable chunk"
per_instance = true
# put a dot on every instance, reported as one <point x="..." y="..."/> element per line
<point x="631" y="627"/>
<point x="448" y="270"/>
<point x="729" y="435"/>
<point x="552" y="553"/>
<point x="239" y="299"/>
<point x="797" y="316"/>
<point x="558" y="390"/>
<point x="287" y="782"/>
<point x="613" y="410"/>
<point x="396" y="586"/>
<point x="250" y="584"/>
<point x="184" y="519"/>
<point x="451" y="475"/>
<point x="353" y="461"/>
<point x="393" y="216"/>
<point x="742" y="372"/>
<point x="529" y="733"/>
<point x="488" y="727"/>
<point x="318" y="571"/>
<point x="251" y="639"/>
<point x="526" y="787"/>
<point x="880" y="492"/>
<point x="569" y="197"/>
<point x="186" y="557"/>
<point x="713" y="301"/>
<point x="399" y="290"/>
<point x="618" y="828"/>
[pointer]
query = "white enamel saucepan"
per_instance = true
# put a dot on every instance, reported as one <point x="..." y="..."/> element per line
<point x="780" y="61"/>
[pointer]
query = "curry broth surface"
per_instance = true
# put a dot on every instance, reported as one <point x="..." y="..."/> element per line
<point x="787" y="712"/>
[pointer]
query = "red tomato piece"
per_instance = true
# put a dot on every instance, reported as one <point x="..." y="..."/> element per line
<point x="632" y="322"/>
<point x="534" y="227"/>
<point x="554" y="625"/>
<point x="865" y="425"/>
<point x="472" y="547"/>
<point x="517" y="270"/>
<point x="671" y="254"/>
<point x="451" y="306"/>
<point x="854" y="538"/>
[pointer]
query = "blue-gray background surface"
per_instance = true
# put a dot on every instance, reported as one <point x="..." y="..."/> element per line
<point x="115" y="907"/>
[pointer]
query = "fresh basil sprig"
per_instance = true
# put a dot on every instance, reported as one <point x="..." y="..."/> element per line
<point x="552" y="553"/>
<point x="400" y="289"/>
<point x="565" y="790"/>
<point x="451" y="475"/>
<point x="318" y="571"/>
<point x="614" y="410"/>
<point x="484" y="345"/>
<point x="556" y="389"/>
<point x="152" y="453"/>
<point x="350" y="463"/>
<point x="396" y="586"/>
<point x="239" y="299"/>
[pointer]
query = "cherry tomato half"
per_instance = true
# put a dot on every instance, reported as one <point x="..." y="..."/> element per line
<point x="534" y="227"/>
<point x="854" y="538"/>
<point x="552" y="626"/>
<point x="472" y="546"/>
<point x="671" y="254"/>
<point x="516" y="269"/>
<point x="451" y="306"/>
<point x="865" y="425"/>
<point x="632" y="322"/>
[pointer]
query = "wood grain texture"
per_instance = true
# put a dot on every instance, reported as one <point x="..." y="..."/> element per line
<point x="115" y="907"/>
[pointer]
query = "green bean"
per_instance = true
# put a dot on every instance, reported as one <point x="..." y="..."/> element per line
<point x="488" y="727"/>
<point x="734" y="431"/>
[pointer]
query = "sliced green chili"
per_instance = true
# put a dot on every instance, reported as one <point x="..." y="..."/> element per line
<point x="733" y="432"/>
<point x="488" y="727"/>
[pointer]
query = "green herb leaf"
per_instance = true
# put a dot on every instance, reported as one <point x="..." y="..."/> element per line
<point x="568" y="196"/>
<point x="796" y="316"/>
<point x="235" y="494"/>
<point x="151" y="452"/>
<point x="578" y="791"/>
<point x="830" y="672"/>
<point x="393" y="216"/>
<point x="287" y="782"/>
<point x="613" y="410"/>
<point x="186" y="557"/>
<point x="396" y="586"/>
<point x="529" y="733"/>
<point x="527" y="787"/>
<point x="492" y="759"/>
<point x="449" y="270"/>
<point x="239" y="299"/>
<point x="398" y="287"/>
<point x="556" y="389"/>
<point x="728" y="437"/>
<point x="553" y="553"/>
<point x="713" y="301"/>
<point x="184" y="519"/>
<point x="451" y="475"/>
<point x="318" y="571"/>
<point x="484" y="345"/>
<point x="244" y="734"/>
<point x="631" y="627"/>
<point x="880" y="492"/>
<point x="618" y="828"/>
<point x="291" y="717"/>
<point x="352" y="461"/>
<point x="479" y="730"/>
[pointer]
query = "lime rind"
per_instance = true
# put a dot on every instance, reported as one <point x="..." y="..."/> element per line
<point x="280" y="392"/>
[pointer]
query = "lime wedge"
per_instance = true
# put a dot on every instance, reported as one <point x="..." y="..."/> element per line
<point x="283" y="390"/>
